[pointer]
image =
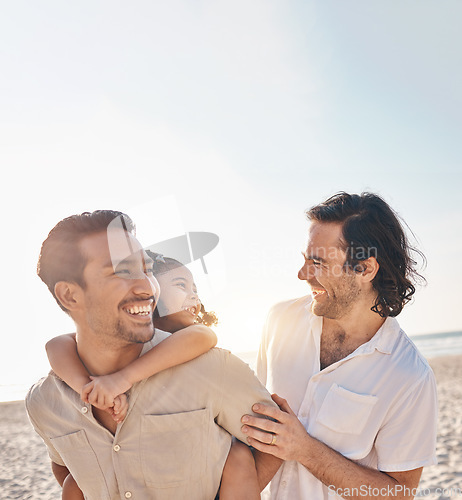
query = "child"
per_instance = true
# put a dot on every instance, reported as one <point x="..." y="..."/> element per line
<point x="178" y="311"/>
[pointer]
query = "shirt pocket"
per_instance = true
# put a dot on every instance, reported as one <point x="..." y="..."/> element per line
<point x="83" y="464"/>
<point x="173" y="448"/>
<point x="343" y="422"/>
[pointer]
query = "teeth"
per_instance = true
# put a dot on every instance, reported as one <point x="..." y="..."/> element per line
<point x="139" y="310"/>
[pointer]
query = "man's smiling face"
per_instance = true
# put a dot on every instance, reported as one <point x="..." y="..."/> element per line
<point x="333" y="286"/>
<point x="120" y="290"/>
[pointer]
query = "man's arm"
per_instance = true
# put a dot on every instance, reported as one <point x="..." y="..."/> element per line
<point x="326" y="464"/>
<point x="60" y="472"/>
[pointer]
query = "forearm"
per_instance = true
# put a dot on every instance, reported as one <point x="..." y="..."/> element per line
<point x="285" y="437"/>
<point x="183" y="346"/>
<point x="267" y="466"/>
<point x="342" y="475"/>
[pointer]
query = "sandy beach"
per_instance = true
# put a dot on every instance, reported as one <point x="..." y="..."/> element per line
<point x="25" y="468"/>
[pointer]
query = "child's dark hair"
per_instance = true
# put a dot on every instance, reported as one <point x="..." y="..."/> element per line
<point x="162" y="265"/>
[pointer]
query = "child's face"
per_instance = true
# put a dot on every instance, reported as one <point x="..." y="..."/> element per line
<point x="178" y="302"/>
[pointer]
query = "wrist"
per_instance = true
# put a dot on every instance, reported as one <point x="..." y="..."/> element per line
<point x="306" y="451"/>
<point x="126" y="377"/>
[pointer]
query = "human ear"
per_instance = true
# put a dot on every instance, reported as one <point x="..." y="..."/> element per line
<point x="369" y="269"/>
<point x="68" y="293"/>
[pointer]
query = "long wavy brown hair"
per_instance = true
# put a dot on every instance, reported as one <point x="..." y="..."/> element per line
<point x="372" y="228"/>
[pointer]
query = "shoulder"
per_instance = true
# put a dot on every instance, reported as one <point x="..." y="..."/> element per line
<point x="290" y="314"/>
<point x="408" y="362"/>
<point x="293" y="310"/>
<point x="290" y="307"/>
<point x="43" y="395"/>
<point x="216" y="359"/>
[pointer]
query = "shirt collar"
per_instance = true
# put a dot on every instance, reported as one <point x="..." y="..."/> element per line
<point x="383" y="341"/>
<point x="387" y="335"/>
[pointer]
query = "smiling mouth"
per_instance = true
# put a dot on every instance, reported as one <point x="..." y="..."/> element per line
<point x="139" y="311"/>
<point x="191" y="310"/>
<point x="317" y="293"/>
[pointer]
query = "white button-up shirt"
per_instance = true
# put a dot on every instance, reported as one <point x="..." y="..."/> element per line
<point x="377" y="406"/>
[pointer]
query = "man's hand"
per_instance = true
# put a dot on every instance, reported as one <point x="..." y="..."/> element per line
<point x="287" y="434"/>
<point x="292" y="442"/>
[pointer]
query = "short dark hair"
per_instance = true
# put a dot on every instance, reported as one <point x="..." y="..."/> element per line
<point x="60" y="256"/>
<point x="372" y="228"/>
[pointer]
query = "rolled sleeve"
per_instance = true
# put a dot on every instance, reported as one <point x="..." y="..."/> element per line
<point x="240" y="391"/>
<point x="407" y="440"/>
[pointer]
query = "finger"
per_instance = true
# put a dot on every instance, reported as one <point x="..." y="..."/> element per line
<point x="265" y="448"/>
<point x="117" y="404"/>
<point x="261" y="423"/>
<point x="92" y="398"/>
<point x="283" y="404"/>
<point x="263" y="437"/>
<point x="100" y="401"/>
<point x="86" y="391"/>
<point x="270" y="411"/>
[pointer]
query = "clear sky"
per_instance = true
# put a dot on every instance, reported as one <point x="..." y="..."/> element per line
<point x="243" y="114"/>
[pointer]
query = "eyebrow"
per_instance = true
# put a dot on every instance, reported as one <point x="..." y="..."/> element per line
<point x="313" y="257"/>
<point x="128" y="260"/>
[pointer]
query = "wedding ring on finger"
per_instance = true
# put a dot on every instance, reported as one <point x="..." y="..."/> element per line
<point x="273" y="441"/>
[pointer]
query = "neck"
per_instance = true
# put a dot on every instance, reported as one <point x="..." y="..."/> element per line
<point x="101" y="358"/>
<point x="360" y="324"/>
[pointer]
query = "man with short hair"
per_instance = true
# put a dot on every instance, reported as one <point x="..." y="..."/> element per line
<point x="176" y="436"/>
<point x="360" y="415"/>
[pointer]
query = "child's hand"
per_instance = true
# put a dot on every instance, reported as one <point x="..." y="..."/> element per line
<point x="120" y="408"/>
<point x="96" y="398"/>
<point x="102" y="391"/>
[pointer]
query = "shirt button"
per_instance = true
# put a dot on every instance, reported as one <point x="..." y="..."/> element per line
<point x="284" y="484"/>
<point x="128" y="494"/>
<point x="84" y="409"/>
<point x="117" y="448"/>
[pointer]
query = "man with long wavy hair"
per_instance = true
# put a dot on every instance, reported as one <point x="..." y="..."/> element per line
<point x="360" y="414"/>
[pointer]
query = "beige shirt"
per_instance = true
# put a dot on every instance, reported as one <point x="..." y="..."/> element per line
<point x="377" y="406"/>
<point x="174" y="440"/>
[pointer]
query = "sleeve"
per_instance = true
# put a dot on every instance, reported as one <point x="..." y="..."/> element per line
<point x="33" y="410"/>
<point x="407" y="440"/>
<point x="240" y="390"/>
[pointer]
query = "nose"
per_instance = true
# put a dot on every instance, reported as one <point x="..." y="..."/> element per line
<point x="305" y="272"/>
<point x="146" y="284"/>
<point x="194" y="297"/>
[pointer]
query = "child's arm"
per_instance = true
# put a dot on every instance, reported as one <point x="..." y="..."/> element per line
<point x="65" y="362"/>
<point x="184" y="345"/>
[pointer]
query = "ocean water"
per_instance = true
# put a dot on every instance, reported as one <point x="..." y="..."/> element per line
<point x="430" y="345"/>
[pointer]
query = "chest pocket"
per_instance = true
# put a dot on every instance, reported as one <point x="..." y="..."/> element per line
<point x="173" y="448"/>
<point x="81" y="460"/>
<point x="344" y="422"/>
